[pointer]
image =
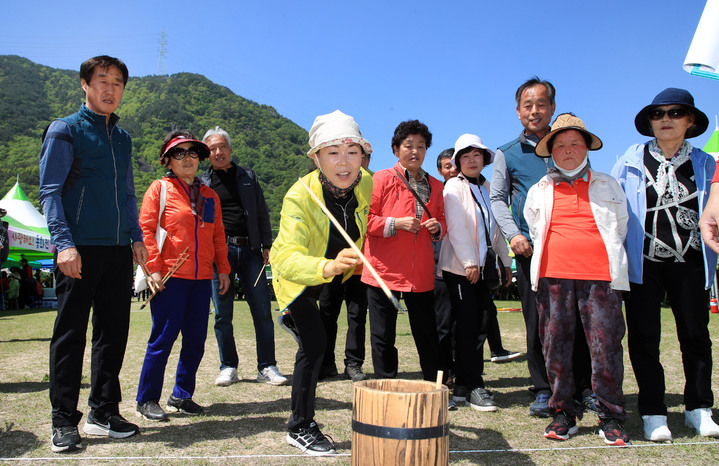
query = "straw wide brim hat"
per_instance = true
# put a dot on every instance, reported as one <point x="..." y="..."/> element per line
<point x="564" y="122"/>
<point x="672" y="96"/>
<point x="333" y="129"/>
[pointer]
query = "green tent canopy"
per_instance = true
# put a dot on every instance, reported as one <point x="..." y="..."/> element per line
<point x="28" y="233"/>
<point x="712" y="145"/>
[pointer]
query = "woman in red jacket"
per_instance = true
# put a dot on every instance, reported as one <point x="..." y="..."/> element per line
<point x="193" y="220"/>
<point x="400" y="231"/>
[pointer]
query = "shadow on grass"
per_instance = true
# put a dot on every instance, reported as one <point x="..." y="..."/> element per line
<point x="24" y="387"/>
<point x="483" y="439"/>
<point x="18" y="340"/>
<point x="24" y="312"/>
<point x="15" y="443"/>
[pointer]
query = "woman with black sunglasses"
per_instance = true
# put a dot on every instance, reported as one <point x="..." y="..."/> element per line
<point x="190" y="213"/>
<point x="667" y="184"/>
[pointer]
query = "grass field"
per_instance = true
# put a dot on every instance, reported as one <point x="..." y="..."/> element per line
<point x="245" y="423"/>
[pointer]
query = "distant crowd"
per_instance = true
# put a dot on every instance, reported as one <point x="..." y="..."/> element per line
<point x="595" y="255"/>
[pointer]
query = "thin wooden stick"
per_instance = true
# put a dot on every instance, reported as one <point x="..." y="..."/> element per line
<point x="440" y="375"/>
<point x="180" y="260"/>
<point x="148" y="279"/>
<point x="259" y="275"/>
<point x="352" y="244"/>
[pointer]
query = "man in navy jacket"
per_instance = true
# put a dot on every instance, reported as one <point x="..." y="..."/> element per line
<point x="87" y="191"/>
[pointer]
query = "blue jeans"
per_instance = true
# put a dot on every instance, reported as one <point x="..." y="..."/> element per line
<point x="246" y="264"/>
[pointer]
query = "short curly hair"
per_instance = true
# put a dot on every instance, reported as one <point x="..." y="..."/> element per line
<point x="406" y="128"/>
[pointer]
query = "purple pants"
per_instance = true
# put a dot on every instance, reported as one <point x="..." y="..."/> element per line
<point x="600" y="311"/>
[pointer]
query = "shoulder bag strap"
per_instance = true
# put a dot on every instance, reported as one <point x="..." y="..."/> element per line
<point x="414" y="193"/>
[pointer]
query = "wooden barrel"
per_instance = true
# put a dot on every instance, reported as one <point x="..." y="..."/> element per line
<point x="398" y="421"/>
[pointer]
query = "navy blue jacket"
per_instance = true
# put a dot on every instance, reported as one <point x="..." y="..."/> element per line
<point x="87" y="188"/>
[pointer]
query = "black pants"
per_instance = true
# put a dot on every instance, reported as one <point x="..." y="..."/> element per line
<point x="106" y="286"/>
<point x="470" y="302"/>
<point x="355" y="296"/>
<point x="445" y="319"/>
<point x="306" y="314"/>
<point x="490" y="327"/>
<point x="383" y="331"/>
<point x="684" y="284"/>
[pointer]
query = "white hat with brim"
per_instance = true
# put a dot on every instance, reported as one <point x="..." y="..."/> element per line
<point x="470" y="140"/>
<point x="333" y="129"/>
<point x="564" y="122"/>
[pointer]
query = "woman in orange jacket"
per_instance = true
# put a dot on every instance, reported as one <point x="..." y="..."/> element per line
<point x="193" y="221"/>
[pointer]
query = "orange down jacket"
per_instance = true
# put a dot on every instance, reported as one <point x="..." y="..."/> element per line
<point x="204" y="237"/>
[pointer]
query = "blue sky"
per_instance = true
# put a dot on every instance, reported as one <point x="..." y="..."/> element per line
<point x="454" y="65"/>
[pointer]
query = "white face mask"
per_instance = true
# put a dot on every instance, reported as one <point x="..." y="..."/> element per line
<point x="572" y="173"/>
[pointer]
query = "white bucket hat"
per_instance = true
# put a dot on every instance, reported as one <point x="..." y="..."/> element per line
<point x="336" y="128"/>
<point x="470" y="140"/>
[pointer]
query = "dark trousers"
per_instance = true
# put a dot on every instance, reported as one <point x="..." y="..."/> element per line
<point x="445" y="323"/>
<point x="535" y="358"/>
<point x="469" y="302"/>
<point x="106" y="286"/>
<point x="383" y="331"/>
<point x="182" y="307"/>
<point x="355" y="296"/>
<point x="245" y="264"/>
<point x="305" y="313"/>
<point x="490" y="327"/>
<point x="684" y="284"/>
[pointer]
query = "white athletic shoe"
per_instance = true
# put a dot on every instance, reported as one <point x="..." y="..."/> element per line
<point x="656" y="429"/>
<point x="272" y="376"/>
<point x="227" y="377"/>
<point x="701" y="420"/>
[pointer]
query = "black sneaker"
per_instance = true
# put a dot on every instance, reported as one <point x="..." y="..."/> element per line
<point x="355" y="373"/>
<point x="327" y="372"/>
<point x="561" y="427"/>
<point x="504" y="356"/>
<point x="613" y="433"/>
<point x="459" y="394"/>
<point x="311" y="441"/>
<point x="482" y="399"/>
<point x="151" y="410"/>
<point x="113" y="426"/>
<point x="288" y="323"/>
<point x="65" y="438"/>
<point x="185" y="406"/>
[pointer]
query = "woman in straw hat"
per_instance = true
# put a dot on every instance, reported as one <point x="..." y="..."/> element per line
<point x="309" y="252"/>
<point x="465" y="254"/>
<point x="667" y="183"/>
<point x="193" y="221"/>
<point x="578" y="220"/>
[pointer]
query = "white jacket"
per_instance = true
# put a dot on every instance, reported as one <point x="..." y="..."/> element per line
<point x="609" y="207"/>
<point x="462" y="246"/>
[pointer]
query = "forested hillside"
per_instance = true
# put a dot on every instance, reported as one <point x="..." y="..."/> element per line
<point x="32" y="95"/>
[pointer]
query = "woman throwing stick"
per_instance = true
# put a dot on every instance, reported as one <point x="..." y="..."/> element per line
<point x="310" y="251"/>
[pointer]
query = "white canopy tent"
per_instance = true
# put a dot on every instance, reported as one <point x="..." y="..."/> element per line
<point x="703" y="56"/>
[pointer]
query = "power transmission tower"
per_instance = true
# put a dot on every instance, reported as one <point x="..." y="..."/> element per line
<point x="161" y="68"/>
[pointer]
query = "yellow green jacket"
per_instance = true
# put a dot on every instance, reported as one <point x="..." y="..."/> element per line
<point x="297" y="255"/>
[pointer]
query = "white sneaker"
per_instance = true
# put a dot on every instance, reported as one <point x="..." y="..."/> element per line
<point x="227" y="377"/>
<point x="701" y="420"/>
<point x="656" y="429"/>
<point x="272" y="376"/>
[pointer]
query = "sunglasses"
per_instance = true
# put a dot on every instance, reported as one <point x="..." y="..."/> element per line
<point x="674" y="113"/>
<point x="180" y="154"/>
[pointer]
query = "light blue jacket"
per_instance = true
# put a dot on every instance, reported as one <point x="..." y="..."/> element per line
<point x="629" y="171"/>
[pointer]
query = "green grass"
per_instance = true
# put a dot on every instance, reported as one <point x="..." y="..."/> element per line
<point x="249" y="418"/>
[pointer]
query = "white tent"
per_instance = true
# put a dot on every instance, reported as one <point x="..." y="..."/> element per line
<point x="27" y="230"/>
<point x="703" y="55"/>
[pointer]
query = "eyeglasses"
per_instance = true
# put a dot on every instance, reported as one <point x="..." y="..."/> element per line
<point x="674" y="113"/>
<point x="180" y="154"/>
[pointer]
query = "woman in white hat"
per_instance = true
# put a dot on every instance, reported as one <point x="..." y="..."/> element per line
<point x="468" y="251"/>
<point x="577" y="219"/>
<point x="667" y="182"/>
<point x="309" y="252"/>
